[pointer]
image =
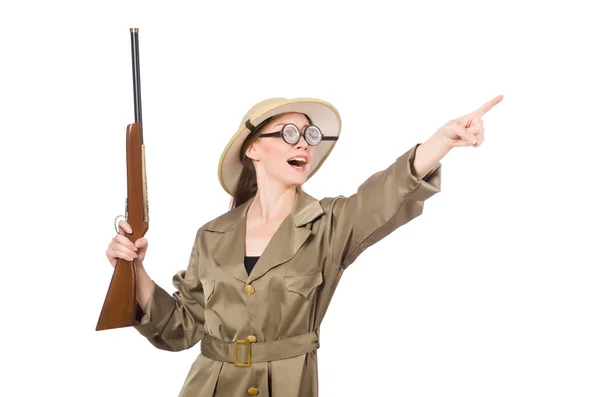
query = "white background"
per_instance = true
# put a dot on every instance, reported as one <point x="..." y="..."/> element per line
<point x="493" y="291"/>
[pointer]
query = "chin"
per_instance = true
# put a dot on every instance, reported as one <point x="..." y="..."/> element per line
<point x="296" y="182"/>
<point x="296" y="178"/>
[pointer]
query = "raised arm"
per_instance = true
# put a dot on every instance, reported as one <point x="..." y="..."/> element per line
<point x="385" y="201"/>
<point x="393" y="197"/>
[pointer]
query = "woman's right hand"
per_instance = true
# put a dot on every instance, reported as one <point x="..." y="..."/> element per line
<point x="121" y="247"/>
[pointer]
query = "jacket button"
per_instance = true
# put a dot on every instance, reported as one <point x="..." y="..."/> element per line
<point x="251" y="338"/>
<point x="249" y="289"/>
<point x="253" y="391"/>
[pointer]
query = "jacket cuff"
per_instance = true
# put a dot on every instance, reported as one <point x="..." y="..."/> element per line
<point x="423" y="188"/>
<point x="155" y="316"/>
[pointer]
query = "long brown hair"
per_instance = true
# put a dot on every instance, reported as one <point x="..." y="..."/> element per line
<point x="247" y="186"/>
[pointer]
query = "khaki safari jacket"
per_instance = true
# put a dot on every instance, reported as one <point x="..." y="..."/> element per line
<point x="275" y="312"/>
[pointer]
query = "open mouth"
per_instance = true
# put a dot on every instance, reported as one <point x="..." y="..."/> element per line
<point x="298" y="163"/>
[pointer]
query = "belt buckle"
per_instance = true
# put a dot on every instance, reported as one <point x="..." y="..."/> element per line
<point x="235" y="353"/>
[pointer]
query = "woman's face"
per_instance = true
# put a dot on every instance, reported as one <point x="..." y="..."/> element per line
<point x="273" y="156"/>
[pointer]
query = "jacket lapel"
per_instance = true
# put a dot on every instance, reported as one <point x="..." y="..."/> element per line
<point x="285" y="243"/>
<point x="230" y="248"/>
<point x="290" y="236"/>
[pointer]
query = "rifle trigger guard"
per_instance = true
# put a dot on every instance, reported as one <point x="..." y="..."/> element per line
<point x="116" y="224"/>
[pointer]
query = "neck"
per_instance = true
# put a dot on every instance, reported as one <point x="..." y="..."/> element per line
<point x="272" y="205"/>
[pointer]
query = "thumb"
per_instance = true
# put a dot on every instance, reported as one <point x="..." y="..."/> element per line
<point x="460" y="143"/>
<point x="141" y="242"/>
<point x="467" y="136"/>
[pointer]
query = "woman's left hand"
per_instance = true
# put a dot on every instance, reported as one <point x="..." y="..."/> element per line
<point x="468" y="129"/>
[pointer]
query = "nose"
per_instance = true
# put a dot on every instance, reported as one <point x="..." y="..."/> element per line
<point x="302" y="143"/>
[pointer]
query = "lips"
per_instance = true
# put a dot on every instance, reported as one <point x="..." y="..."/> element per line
<point x="298" y="162"/>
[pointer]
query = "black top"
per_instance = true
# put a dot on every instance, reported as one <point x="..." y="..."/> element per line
<point x="249" y="262"/>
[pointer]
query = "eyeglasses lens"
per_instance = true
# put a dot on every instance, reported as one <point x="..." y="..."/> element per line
<point x="291" y="134"/>
<point x="312" y="135"/>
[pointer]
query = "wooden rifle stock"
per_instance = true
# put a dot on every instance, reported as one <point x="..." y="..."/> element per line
<point x="120" y="302"/>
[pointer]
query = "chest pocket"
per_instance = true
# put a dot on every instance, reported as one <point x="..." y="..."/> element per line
<point x="208" y="287"/>
<point x="304" y="283"/>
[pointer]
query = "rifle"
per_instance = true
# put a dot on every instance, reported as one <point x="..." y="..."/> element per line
<point x="120" y="302"/>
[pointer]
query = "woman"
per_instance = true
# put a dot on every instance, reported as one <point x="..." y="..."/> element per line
<point x="261" y="276"/>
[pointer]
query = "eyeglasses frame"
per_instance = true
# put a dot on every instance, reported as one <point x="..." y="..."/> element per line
<point x="300" y="135"/>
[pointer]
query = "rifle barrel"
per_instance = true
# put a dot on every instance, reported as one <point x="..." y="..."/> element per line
<point x="137" y="90"/>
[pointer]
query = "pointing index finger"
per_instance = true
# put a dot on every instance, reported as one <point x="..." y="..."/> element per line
<point x="487" y="106"/>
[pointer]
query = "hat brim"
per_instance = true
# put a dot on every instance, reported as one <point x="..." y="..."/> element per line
<point x="322" y="114"/>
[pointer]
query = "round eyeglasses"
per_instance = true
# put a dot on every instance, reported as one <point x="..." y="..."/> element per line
<point x="291" y="134"/>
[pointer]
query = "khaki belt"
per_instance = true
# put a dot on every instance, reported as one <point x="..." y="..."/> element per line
<point x="233" y="352"/>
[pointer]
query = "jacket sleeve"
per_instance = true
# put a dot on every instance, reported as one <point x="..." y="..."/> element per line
<point x="175" y="322"/>
<point x="385" y="201"/>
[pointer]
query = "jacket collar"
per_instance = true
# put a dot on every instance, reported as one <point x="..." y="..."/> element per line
<point x="287" y="240"/>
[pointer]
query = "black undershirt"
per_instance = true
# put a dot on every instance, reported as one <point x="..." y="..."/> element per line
<point x="249" y="262"/>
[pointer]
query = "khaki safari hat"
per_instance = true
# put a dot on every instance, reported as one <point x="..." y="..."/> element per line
<point x="322" y="114"/>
